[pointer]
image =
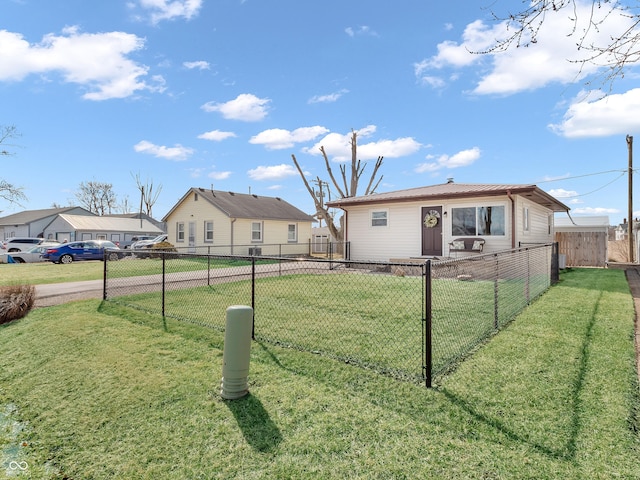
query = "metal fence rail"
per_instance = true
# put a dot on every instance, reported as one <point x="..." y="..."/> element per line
<point x="411" y="320"/>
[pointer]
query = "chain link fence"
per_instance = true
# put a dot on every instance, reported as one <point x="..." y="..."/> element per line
<point x="412" y="320"/>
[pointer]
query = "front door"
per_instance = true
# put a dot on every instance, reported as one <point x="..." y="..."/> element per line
<point x="192" y="237"/>
<point x="431" y="219"/>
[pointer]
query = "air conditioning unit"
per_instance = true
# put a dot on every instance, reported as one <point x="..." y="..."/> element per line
<point x="257" y="251"/>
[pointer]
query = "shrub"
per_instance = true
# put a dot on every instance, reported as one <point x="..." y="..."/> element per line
<point x="159" y="248"/>
<point x="16" y="301"/>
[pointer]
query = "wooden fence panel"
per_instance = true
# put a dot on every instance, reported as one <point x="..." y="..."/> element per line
<point x="583" y="249"/>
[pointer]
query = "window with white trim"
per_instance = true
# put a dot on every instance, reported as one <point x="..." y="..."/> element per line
<point x="478" y="221"/>
<point x="256" y="231"/>
<point x="208" y="231"/>
<point x="292" y="232"/>
<point x="379" y="218"/>
<point x="180" y="232"/>
<point x="525" y="219"/>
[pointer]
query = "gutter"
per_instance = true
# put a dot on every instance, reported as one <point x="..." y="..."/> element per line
<point x="513" y="219"/>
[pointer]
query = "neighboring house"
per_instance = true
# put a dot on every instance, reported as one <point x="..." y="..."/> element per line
<point x="214" y="221"/>
<point x="31" y="223"/>
<point x="422" y="222"/>
<point x="85" y="227"/>
<point x="582" y="241"/>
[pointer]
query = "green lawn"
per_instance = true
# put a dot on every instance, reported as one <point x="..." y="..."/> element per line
<point x="47" y="272"/>
<point x="94" y="390"/>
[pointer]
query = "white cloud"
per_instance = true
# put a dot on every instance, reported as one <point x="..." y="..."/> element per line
<point x="246" y="107"/>
<point x="169" y="9"/>
<point x="216" y="135"/>
<point x="329" y="98"/>
<point x="361" y="30"/>
<point x="521" y="69"/>
<point x="278" y="139"/>
<point x="200" y="65"/>
<point x="615" y="114"/>
<point x="562" y="193"/>
<point x="98" y="61"/>
<point x="219" y="175"/>
<point x="177" y="152"/>
<point x="463" y="158"/>
<point x="276" y="172"/>
<point x="338" y="146"/>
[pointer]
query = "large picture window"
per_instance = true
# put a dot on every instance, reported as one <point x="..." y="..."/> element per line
<point x="473" y="221"/>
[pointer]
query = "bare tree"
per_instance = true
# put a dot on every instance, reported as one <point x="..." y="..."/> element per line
<point x="8" y="191"/>
<point x="148" y="197"/>
<point x="97" y="197"/>
<point x="346" y="187"/>
<point x="615" y="55"/>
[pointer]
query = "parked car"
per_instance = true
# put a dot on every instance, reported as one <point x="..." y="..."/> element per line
<point x="32" y="255"/>
<point x="20" y="244"/>
<point x="83" y="250"/>
<point x="138" y="238"/>
<point x="149" y="243"/>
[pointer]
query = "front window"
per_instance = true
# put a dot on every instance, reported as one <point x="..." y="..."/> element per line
<point x="473" y="221"/>
<point x="292" y="233"/>
<point x="180" y="232"/>
<point x="256" y="231"/>
<point x="208" y="231"/>
<point x="379" y="219"/>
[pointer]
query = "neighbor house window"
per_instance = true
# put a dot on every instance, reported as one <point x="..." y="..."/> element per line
<point x="208" y="231"/>
<point x="525" y="219"/>
<point x="472" y="221"/>
<point x="195" y="197"/>
<point x="292" y="232"/>
<point x="256" y="231"/>
<point x="180" y="232"/>
<point x="379" y="218"/>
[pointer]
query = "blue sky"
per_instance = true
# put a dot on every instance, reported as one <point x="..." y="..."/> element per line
<point x="201" y="93"/>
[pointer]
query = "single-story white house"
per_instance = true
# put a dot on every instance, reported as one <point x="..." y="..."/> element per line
<point x="93" y="227"/>
<point x="219" y="222"/>
<point x="424" y="222"/>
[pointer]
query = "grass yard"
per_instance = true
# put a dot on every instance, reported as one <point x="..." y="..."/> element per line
<point x="93" y="390"/>
<point x="48" y="272"/>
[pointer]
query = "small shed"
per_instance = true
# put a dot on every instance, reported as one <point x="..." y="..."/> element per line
<point x="583" y="240"/>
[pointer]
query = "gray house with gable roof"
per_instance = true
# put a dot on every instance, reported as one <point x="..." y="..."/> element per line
<point x="218" y="222"/>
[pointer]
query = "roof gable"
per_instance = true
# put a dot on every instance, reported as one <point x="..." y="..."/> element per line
<point x="29" y="216"/>
<point x="248" y="206"/>
<point x="453" y="190"/>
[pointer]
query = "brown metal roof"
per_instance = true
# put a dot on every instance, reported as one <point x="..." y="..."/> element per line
<point x="446" y="191"/>
<point x="248" y="206"/>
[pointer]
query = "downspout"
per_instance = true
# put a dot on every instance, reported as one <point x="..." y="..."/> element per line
<point x="233" y="220"/>
<point x="513" y="219"/>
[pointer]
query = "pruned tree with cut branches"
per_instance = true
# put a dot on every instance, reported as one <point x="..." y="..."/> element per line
<point x="345" y="186"/>
<point x="148" y="197"/>
<point x="617" y="52"/>
<point x="8" y="191"/>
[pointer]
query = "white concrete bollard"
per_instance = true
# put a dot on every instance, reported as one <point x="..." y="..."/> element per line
<point x="237" y="352"/>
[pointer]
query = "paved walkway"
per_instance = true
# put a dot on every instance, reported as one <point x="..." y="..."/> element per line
<point x="633" y="277"/>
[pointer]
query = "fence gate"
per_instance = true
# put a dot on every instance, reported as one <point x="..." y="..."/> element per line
<point x="583" y="249"/>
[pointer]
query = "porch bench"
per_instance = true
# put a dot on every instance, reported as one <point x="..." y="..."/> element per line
<point x="466" y="245"/>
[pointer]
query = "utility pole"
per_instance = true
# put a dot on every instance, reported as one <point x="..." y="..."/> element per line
<point x="630" y="225"/>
